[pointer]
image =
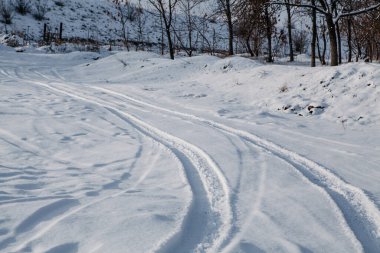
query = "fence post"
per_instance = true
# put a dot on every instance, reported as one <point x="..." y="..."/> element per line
<point x="45" y="30"/>
<point x="60" y="30"/>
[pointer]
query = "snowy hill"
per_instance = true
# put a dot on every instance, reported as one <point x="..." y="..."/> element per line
<point x="95" y="20"/>
<point x="80" y="18"/>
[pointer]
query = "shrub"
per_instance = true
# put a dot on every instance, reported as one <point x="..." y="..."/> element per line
<point x="13" y="42"/>
<point x="6" y="12"/>
<point x="59" y="3"/>
<point x="22" y="6"/>
<point x="300" y="41"/>
<point x="40" y="9"/>
<point x="284" y="88"/>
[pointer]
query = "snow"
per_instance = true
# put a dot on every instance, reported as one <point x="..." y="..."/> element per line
<point x="95" y="20"/>
<point x="133" y="152"/>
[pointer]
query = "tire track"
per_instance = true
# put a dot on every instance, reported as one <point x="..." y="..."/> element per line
<point x="215" y="205"/>
<point x="358" y="212"/>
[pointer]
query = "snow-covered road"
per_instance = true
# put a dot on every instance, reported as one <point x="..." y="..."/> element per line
<point x="96" y="158"/>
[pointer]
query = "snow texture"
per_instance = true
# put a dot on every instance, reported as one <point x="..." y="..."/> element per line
<point x="132" y="152"/>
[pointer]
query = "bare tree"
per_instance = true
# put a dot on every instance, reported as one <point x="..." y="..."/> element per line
<point x="362" y="32"/>
<point x="251" y="24"/>
<point x="289" y="25"/>
<point x="141" y="18"/>
<point x="187" y="8"/>
<point x="366" y="36"/>
<point x="322" y="52"/>
<point x="314" y="35"/>
<point x="270" y="22"/>
<point x="300" y="41"/>
<point x="256" y="21"/>
<point x="203" y="29"/>
<point x="333" y="11"/>
<point x="226" y="7"/>
<point x="40" y="9"/>
<point x="166" y="10"/>
<point x="125" y="11"/>
<point x="348" y="29"/>
<point x="268" y="33"/>
<point x="244" y="30"/>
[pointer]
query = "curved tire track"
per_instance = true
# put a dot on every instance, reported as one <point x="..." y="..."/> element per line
<point x="358" y="211"/>
<point x="215" y="206"/>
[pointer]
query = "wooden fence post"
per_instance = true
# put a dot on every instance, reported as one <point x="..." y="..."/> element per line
<point x="45" y="30"/>
<point x="60" y="30"/>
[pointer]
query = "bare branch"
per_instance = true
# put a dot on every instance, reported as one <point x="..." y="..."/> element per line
<point x="301" y="5"/>
<point x="358" y="12"/>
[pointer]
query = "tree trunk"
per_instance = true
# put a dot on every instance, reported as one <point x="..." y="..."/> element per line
<point x="230" y="28"/>
<point x="60" y="30"/>
<point x="370" y="52"/>
<point x="167" y="24"/>
<point x="291" y="53"/>
<point x="170" y="43"/>
<point x="190" y="28"/>
<point x="357" y="43"/>
<point x="256" y="46"/>
<point x="319" y="50"/>
<point x="339" y="43"/>
<point x="162" y="36"/>
<point x="314" y="36"/>
<point x="322" y="56"/>
<point x="269" y="34"/>
<point x="349" y="39"/>
<point x="324" y="49"/>
<point x="333" y="40"/>
<point x="359" y="53"/>
<point x="125" y="36"/>
<point x="248" y="44"/>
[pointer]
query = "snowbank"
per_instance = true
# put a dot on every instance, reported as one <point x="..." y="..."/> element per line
<point x="347" y="94"/>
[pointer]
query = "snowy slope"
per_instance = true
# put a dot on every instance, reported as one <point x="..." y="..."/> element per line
<point x="84" y="19"/>
<point x="94" y="19"/>
<point x="137" y="153"/>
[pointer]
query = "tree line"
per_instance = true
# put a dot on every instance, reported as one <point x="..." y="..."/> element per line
<point x="355" y="23"/>
<point x="334" y="30"/>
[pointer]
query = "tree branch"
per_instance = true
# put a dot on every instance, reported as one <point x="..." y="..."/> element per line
<point x="301" y="5"/>
<point x="358" y="12"/>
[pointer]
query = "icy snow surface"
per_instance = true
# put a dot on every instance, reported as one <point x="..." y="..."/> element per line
<point x="133" y="152"/>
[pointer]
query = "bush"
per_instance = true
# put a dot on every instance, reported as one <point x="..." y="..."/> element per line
<point x="22" y="6"/>
<point x="6" y="12"/>
<point x="59" y="3"/>
<point x="12" y="40"/>
<point x="300" y="41"/>
<point x="284" y="88"/>
<point x="40" y="9"/>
